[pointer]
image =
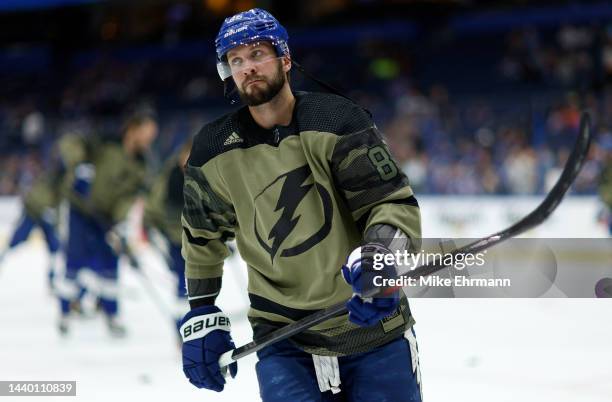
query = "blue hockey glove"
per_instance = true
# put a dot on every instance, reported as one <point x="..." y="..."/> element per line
<point x="84" y="175"/>
<point x="359" y="272"/>
<point x="206" y="336"/>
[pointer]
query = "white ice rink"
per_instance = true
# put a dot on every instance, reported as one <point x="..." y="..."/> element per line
<point x="471" y="350"/>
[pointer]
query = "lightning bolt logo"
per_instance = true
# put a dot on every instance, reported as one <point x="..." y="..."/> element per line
<point x="292" y="193"/>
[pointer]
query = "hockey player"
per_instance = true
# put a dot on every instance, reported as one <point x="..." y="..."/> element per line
<point x="605" y="184"/>
<point x="40" y="209"/>
<point x="306" y="185"/>
<point x="162" y="220"/>
<point x="101" y="186"/>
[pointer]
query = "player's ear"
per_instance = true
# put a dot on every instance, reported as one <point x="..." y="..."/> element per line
<point x="286" y="63"/>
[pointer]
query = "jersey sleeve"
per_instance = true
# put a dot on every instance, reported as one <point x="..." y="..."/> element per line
<point x="120" y="210"/>
<point x="605" y="184"/>
<point x="208" y="221"/>
<point x="118" y="182"/>
<point x="72" y="150"/>
<point x="113" y="182"/>
<point x="43" y="197"/>
<point x="374" y="188"/>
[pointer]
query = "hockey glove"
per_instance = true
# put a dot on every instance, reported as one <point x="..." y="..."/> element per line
<point x="84" y="175"/>
<point x="359" y="272"/>
<point x="206" y="336"/>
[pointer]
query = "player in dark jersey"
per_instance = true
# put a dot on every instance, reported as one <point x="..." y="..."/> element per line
<point x="162" y="220"/>
<point x="301" y="181"/>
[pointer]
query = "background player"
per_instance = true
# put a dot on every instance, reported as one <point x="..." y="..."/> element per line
<point x="101" y="188"/>
<point x="162" y="220"/>
<point x="40" y="209"/>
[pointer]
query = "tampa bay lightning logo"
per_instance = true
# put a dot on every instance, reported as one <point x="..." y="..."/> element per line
<point x="295" y="186"/>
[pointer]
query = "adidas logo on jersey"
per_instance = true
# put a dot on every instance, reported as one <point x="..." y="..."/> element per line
<point x="233" y="139"/>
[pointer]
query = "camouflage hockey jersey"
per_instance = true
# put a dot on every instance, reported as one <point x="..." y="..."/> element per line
<point x="605" y="183"/>
<point x="118" y="177"/>
<point x="42" y="199"/>
<point x="297" y="199"/>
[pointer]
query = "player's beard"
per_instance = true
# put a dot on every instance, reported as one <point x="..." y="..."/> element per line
<point x="260" y="94"/>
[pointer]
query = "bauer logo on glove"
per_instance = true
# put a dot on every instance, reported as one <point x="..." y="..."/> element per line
<point x="206" y="336"/>
<point x="211" y="321"/>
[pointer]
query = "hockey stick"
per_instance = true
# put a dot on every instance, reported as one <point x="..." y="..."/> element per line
<point x="146" y="282"/>
<point x="160" y="243"/>
<point x="537" y="216"/>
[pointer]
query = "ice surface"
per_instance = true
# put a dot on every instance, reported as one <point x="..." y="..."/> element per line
<point x="470" y="349"/>
<point x="145" y="365"/>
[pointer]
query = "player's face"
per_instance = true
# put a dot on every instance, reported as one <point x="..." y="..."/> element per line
<point x="258" y="72"/>
<point x="145" y="135"/>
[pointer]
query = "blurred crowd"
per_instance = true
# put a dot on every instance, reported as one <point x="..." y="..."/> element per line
<point x="501" y="121"/>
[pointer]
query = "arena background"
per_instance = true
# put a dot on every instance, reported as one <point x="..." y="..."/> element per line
<point x="479" y="102"/>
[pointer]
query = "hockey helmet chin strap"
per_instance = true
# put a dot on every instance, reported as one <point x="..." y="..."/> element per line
<point x="230" y="92"/>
